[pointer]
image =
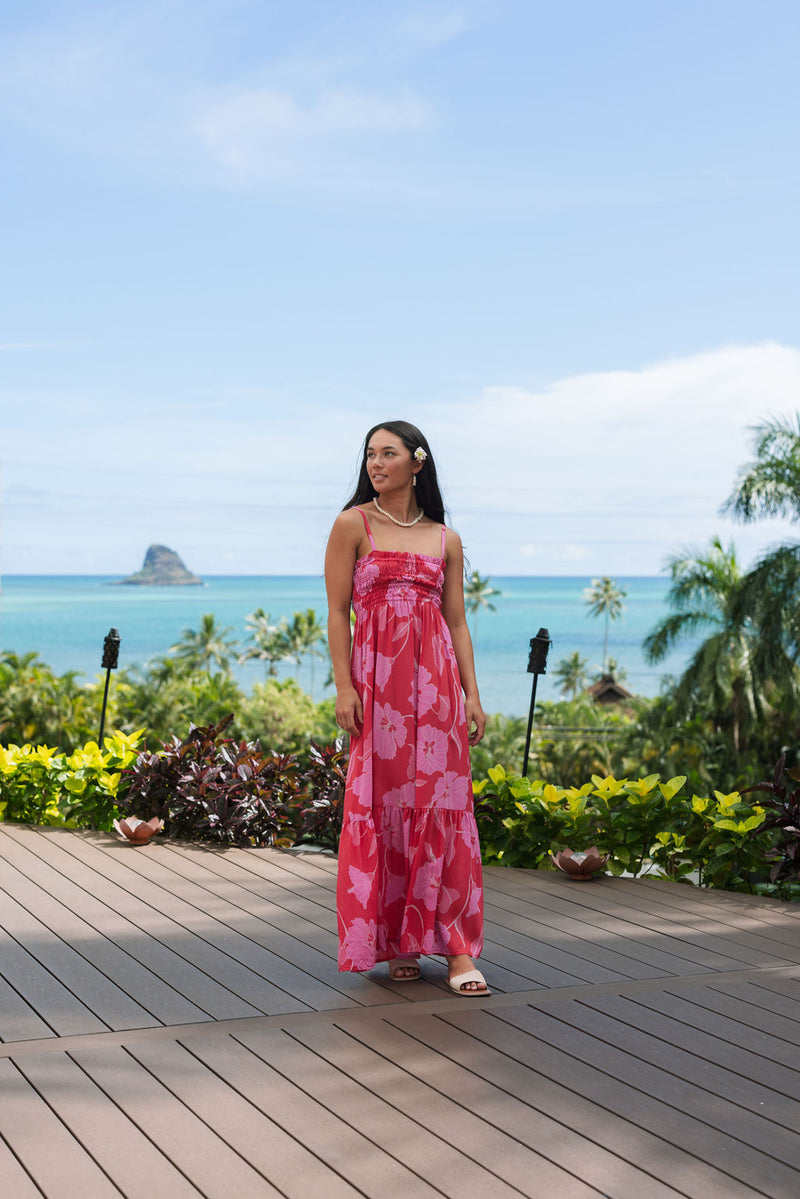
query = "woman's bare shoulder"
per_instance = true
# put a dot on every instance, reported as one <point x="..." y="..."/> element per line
<point x="349" y="525"/>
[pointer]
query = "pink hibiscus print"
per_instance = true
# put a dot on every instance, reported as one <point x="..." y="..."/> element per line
<point x="388" y="732"/>
<point x="359" y="944"/>
<point x="469" y="835"/>
<point x="400" y="797"/>
<point x="400" y="599"/>
<point x="475" y="897"/>
<point x="369" y="572"/>
<point x="431" y="749"/>
<point x="361" y="884"/>
<point x="426" y="692"/>
<point x="447" y="897"/>
<point x="394" y="887"/>
<point x="383" y="670"/>
<point x="452" y="790"/>
<point x="427" y="883"/>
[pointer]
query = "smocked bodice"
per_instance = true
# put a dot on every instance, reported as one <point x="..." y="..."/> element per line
<point x="398" y="579"/>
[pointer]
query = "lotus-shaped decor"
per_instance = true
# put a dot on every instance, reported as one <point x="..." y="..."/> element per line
<point x="138" y="831"/>
<point x="580" y="867"/>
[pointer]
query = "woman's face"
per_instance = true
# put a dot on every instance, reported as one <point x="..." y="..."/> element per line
<point x="389" y="462"/>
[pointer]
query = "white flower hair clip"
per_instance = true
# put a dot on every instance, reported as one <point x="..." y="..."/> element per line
<point x="419" y="454"/>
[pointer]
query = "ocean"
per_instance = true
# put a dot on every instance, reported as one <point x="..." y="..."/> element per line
<point x="64" y="619"/>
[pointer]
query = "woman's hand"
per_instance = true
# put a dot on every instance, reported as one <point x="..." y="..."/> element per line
<point x="476" y="720"/>
<point x="349" y="712"/>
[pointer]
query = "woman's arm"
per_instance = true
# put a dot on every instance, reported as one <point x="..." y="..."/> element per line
<point x="340" y="558"/>
<point x="456" y="617"/>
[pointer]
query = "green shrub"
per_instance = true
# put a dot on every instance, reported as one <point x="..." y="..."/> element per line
<point x="644" y="826"/>
<point x="282" y="716"/>
<point x="40" y="785"/>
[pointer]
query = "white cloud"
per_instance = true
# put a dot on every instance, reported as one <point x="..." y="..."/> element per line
<point x="603" y="473"/>
<point x="247" y="128"/>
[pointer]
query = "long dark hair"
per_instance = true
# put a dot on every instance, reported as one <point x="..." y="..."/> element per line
<point x="428" y="495"/>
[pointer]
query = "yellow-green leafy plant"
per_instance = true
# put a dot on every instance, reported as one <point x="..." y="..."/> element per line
<point x="41" y="785"/>
<point x="644" y="825"/>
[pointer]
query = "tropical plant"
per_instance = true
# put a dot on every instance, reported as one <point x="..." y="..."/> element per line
<point x="643" y="825"/>
<point x="302" y="637"/>
<point x="284" y="717"/>
<point x="166" y="698"/>
<point x="268" y="641"/>
<point x="503" y="741"/>
<point x="323" y="788"/>
<point x="723" y="680"/>
<point x="770" y="484"/>
<point x="38" y="705"/>
<point x="39" y="785"/>
<point x="605" y="598"/>
<point x="477" y="591"/>
<point x="769" y="594"/>
<point x="613" y="668"/>
<point x="573" y="739"/>
<point x="209" y="787"/>
<point x="206" y="647"/>
<point x="782" y="813"/>
<point x="571" y="674"/>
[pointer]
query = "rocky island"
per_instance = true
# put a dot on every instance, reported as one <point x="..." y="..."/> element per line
<point x="162" y="568"/>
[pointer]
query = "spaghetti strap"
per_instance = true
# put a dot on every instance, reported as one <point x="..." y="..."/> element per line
<point x="366" y="526"/>
<point x="444" y="530"/>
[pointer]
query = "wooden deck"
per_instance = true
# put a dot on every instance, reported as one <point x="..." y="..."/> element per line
<point x="173" y="1024"/>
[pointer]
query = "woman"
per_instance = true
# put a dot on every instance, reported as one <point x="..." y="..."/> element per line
<point x="409" y="862"/>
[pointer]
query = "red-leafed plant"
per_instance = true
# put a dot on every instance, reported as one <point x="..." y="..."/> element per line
<point x="209" y="787"/>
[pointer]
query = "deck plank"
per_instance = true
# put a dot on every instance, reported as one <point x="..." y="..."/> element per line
<point x="246" y="1062"/>
<point x="606" y="1115"/>
<point x="243" y="1125"/>
<point x="400" y="1134"/>
<point x="174" y="1024"/>
<point x="241" y="934"/>
<point x="647" y="1060"/>
<point x="715" y="1128"/>
<point x="486" y="1086"/>
<point x="648" y="1015"/>
<point x="68" y="948"/>
<point x="134" y="958"/>
<point x="53" y="1157"/>
<point x="200" y="961"/>
<point x="193" y="1146"/>
<point x="446" y="1115"/>
<point x="15" y="1182"/>
<point x="126" y="1156"/>
<point x="54" y="1004"/>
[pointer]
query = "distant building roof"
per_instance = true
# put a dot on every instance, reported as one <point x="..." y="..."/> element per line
<point x="608" y="691"/>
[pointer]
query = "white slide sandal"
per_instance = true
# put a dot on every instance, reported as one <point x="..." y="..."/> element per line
<point x="456" y="983"/>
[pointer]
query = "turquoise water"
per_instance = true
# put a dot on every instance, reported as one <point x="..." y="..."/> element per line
<point x="65" y="618"/>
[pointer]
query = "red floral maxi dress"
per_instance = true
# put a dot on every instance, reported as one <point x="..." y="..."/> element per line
<point x="409" y="879"/>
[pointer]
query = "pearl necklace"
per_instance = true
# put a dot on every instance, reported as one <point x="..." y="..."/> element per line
<point x="404" y="524"/>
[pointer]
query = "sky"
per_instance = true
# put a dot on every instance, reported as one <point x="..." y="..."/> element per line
<point x="561" y="238"/>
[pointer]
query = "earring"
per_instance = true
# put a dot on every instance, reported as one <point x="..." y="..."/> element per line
<point x="413" y="480"/>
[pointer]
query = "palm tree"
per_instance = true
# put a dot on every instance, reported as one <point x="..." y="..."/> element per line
<point x="617" y="672"/>
<point x="770" y="485"/>
<point x="210" y="645"/>
<point x="302" y="637"/>
<point x="571" y="674"/>
<point x="770" y="593"/>
<point x="605" y="599"/>
<point x="268" y="641"/>
<point x="724" y="679"/>
<point x="476" y="596"/>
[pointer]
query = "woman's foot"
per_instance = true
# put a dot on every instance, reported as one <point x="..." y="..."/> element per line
<point x="462" y="963"/>
<point x="403" y="970"/>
